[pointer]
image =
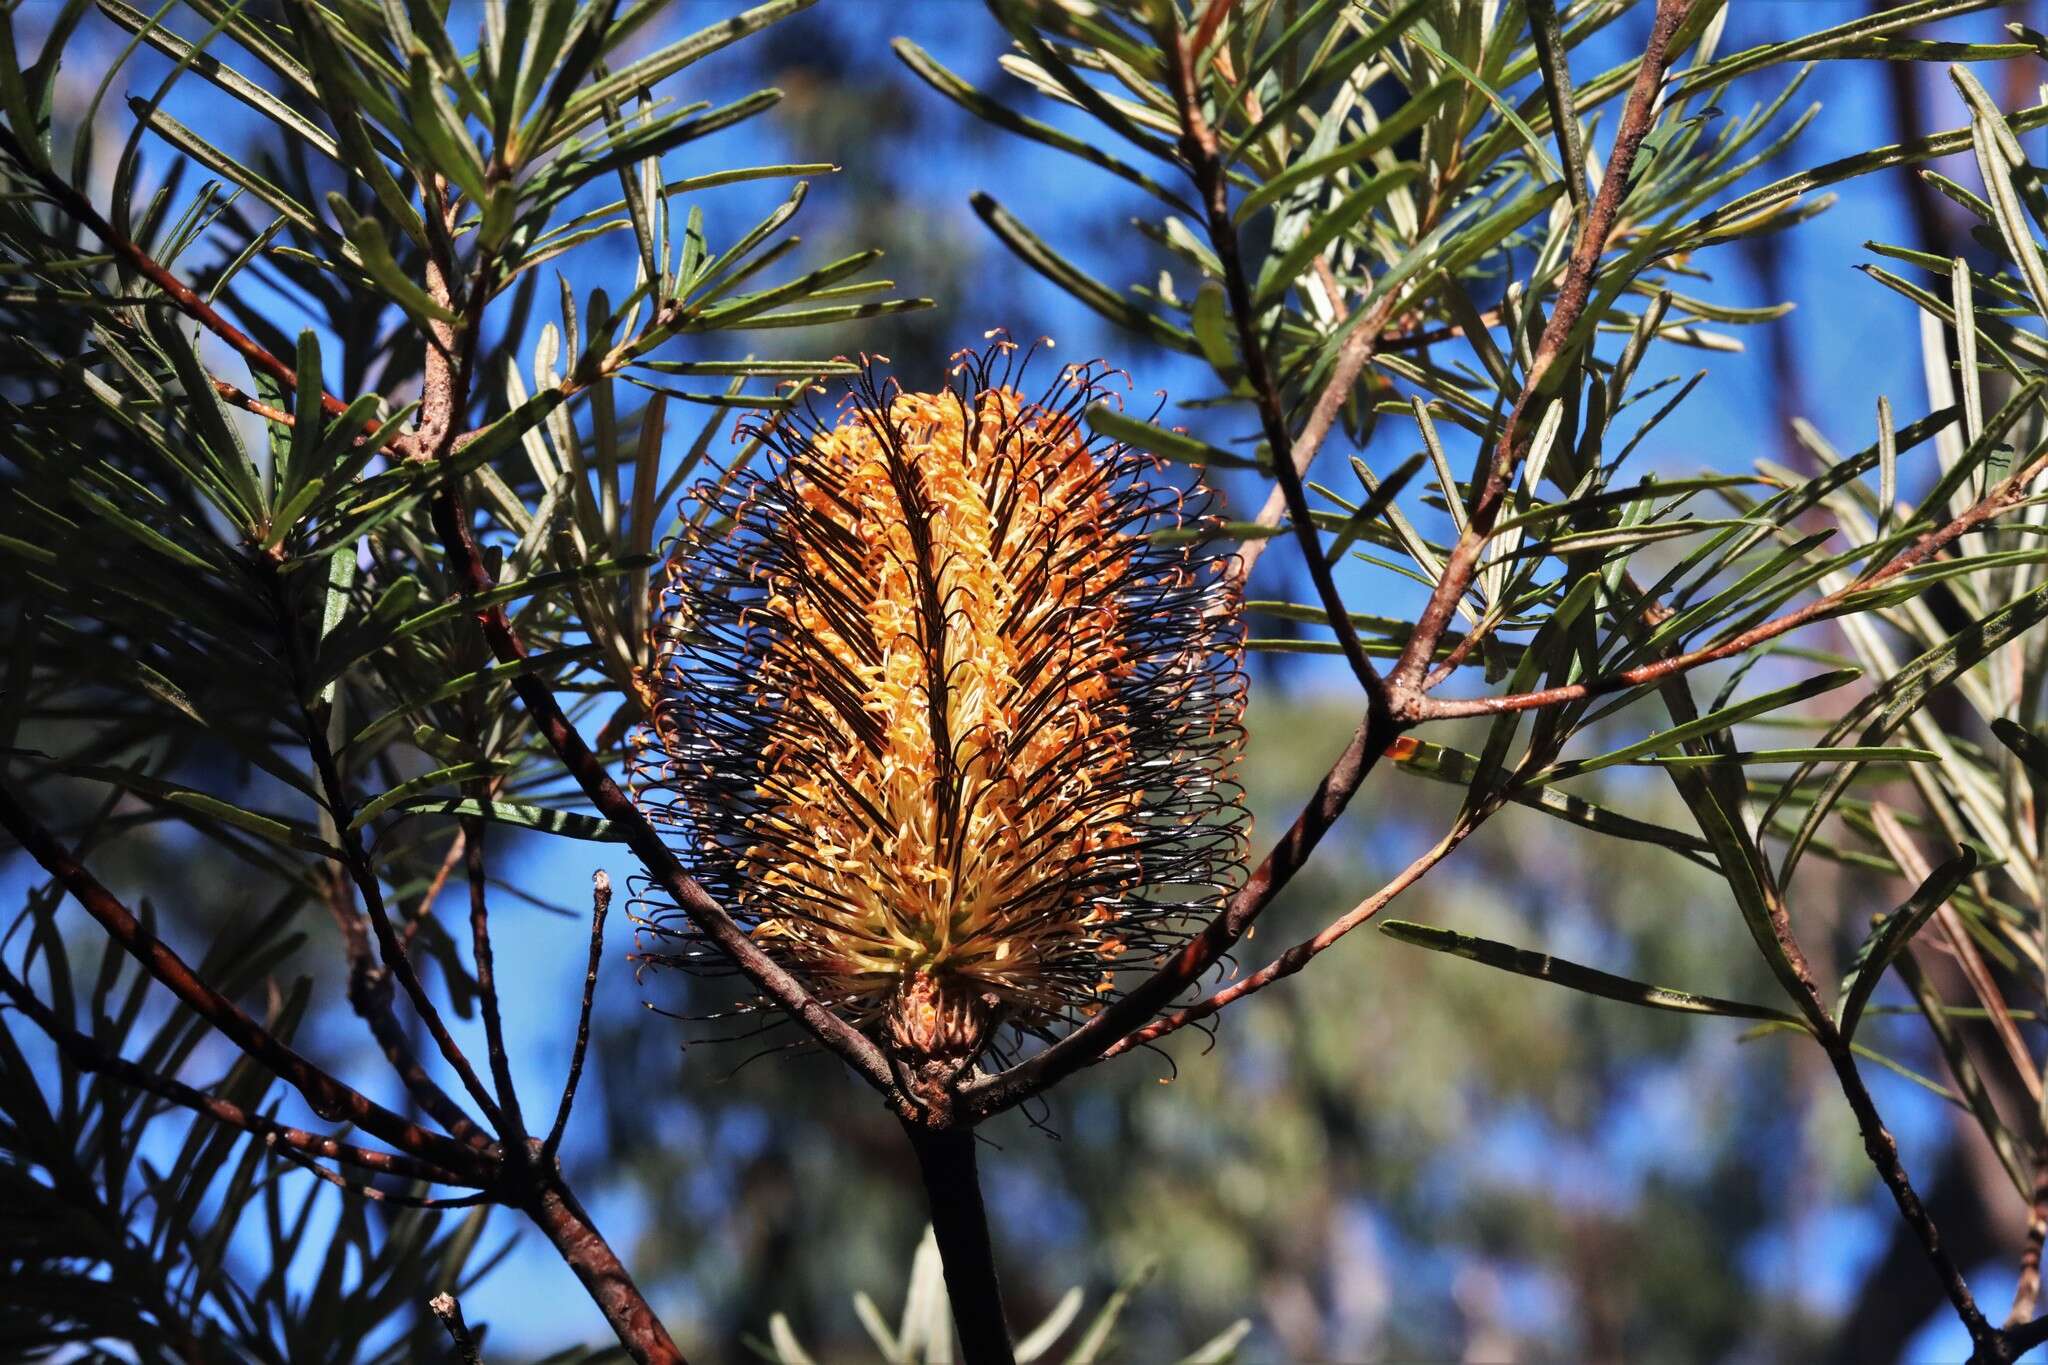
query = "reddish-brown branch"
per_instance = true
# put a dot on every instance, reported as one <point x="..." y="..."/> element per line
<point x="1299" y="956"/>
<point x="2006" y="496"/>
<point x="568" y="1228"/>
<point x="246" y="403"/>
<point x="329" y="1097"/>
<point x="1573" y="293"/>
<point x="89" y="1055"/>
<point x="80" y="208"/>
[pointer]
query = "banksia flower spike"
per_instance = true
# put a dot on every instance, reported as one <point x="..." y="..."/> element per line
<point x="942" y="717"/>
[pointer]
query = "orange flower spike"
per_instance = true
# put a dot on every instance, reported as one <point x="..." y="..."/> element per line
<point x="952" y="731"/>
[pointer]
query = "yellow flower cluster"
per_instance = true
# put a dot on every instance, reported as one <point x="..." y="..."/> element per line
<point x="944" y="719"/>
<point x="932" y="815"/>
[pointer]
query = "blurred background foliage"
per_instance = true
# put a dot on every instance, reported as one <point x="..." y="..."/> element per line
<point x="1397" y="1155"/>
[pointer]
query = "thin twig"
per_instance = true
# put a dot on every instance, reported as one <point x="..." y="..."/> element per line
<point x="395" y="1198"/>
<point x="423" y="908"/>
<point x="370" y="995"/>
<point x="1416" y="341"/>
<point x="1299" y="956"/>
<point x="1355" y="353"/>
<point x="514" y="1131"/>
<point x="355" y="858"/>
<point x="249" y="404"/>
<point x="449" y="1312"/>
<point x="1878" y="1145"/>
<point x="2006" y="496"/>
<point x="600" y="903"/>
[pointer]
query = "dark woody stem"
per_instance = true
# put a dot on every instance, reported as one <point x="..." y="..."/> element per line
<point x="946" y="1160"/>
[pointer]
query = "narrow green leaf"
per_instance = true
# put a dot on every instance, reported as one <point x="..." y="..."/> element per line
<point x="567" y="824"/>
<point x="1591" y="981"/>
<point x="1105" y="419"/>
<point x="665" y="62"/>
<point x="308" y="418"/>
<point x="198" y="805"/>
<point x="206" y="154"/>
<point x="368" y="236"/>
<point x="1841" y="753"/>
<point x="221" y="443"/>
<point x="1280" y="273"/>
<point x="1458" y="768"/>
<point x="1887" y="468"/>
<point x="989" y="110"/>
<point x="1889" y="937"/>
<point x="1832" y="42"/>
<point x="1033" y="251"/>
<point x="1414" y="111"/>
<point x="851" y="312"/>
<point x="1712" y="723"/>
<point x="2031" y="748"/>
<point x="1211" y="320"/>
<point x="439" y="777"/>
